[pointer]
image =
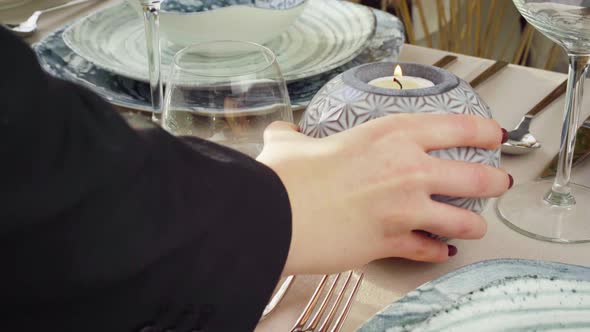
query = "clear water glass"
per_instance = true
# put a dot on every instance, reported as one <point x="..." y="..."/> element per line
<point x="227" y="92"/>
<point x="558" y="210"/>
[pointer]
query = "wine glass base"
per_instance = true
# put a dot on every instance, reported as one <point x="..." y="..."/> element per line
<point x="524" y="209"/>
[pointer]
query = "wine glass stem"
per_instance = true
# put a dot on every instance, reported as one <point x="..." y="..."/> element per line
<point x="151" y="14"/>
<point x="560" y="193"/>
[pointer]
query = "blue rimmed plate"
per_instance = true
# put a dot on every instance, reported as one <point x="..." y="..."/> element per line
<point x="494" y="295"/>
<point x="61" y="61"/>
<point x="328" y="34"/>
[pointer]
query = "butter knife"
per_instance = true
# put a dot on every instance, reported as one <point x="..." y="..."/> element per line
<point x="581" y="150"/>
<point x="278" y="297"/>
<point x="445" y="61"/>
<point x="491" y="71"/>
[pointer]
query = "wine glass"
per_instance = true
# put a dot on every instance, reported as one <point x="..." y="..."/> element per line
<point x="558" y="210"/>
<point x="151" y="16"/>
<point x="226" y="92"/>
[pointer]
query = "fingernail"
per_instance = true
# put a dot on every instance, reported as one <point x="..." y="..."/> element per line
<point x="504" y="135"/>
<point x="511" y="183"/>
<point x="452" y="250"/>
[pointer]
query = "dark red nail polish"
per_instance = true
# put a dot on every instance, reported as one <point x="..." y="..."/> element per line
<point x="452" y="250"/>
<point x="504" y="135"/>
<point x="511" y="183"/>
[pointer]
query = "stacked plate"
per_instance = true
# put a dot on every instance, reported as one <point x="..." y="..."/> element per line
<point x="106" y="51"/>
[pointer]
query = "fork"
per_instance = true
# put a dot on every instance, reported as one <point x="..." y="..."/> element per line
<point x="304" y="324"/>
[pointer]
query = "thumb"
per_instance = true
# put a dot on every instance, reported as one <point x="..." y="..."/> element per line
<point x="278" y="128"/>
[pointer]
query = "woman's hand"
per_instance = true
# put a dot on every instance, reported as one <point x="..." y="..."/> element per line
<point x="363" y="194"/>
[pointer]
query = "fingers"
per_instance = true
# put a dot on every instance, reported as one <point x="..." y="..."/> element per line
<point x="453" y="222"/>
<point x="420" y="247"/>
<point x="459" y="130"/>
<point x="465" y="179"/>
<point x="435" y="131"/>
<point x="443" y="220"/>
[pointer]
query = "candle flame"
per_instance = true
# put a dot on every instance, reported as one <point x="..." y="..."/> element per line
<point x="398" y="71"/>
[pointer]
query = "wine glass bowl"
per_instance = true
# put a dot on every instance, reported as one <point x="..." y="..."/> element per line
<point x="227" y="92"/>
<point x="556" y="211"/>
<point x="564" y="22"/>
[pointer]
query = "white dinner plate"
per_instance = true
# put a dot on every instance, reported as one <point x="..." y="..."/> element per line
<point x="327" y="35"/>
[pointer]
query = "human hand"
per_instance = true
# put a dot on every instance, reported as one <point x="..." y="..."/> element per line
<point x="365" y="193"/>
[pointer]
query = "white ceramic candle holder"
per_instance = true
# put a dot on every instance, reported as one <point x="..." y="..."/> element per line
<point x="348" y="100"/>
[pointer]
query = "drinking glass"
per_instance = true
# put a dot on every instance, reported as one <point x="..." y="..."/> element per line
<point x="151" y="16"/>
<point x="557" y="211"/>
<point x="226" y="92"/>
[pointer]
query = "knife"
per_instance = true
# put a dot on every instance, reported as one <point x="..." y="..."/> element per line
<point x="278" y="296"/>
<point x="493" y="69"/>
<point x="444" y="61"/>
<point x="581" y="150"/>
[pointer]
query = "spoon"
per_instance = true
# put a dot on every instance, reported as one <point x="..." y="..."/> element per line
<point x="29" y="26"/>
<point x="520" y="139"/>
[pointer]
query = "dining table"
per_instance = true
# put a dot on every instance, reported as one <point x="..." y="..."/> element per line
<point x="510" y="94"/>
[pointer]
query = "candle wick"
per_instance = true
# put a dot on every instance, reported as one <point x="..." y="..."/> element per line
<point x="398" y="83"/>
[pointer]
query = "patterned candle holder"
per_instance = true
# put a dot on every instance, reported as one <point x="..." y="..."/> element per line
<point x="348" y="100"/>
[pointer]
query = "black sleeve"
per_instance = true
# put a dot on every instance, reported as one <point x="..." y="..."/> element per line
<point x="103" y="228"/>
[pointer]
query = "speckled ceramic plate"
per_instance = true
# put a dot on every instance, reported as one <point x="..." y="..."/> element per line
<point x="59" y="60"/>
<point x="327" y="35"/>
<point x="495" y="295"/>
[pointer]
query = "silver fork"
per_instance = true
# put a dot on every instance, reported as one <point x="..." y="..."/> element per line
<point x="304" y="324"/>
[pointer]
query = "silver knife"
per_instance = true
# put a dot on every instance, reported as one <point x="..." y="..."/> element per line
<point x="278" y="296"/>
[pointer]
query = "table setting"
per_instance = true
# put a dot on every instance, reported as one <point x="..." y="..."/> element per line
<point x="330" y="65"/>
<point x="92" y="63"/>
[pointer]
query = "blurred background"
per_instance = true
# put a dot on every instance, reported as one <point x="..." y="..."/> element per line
<point x="485" y="28"/>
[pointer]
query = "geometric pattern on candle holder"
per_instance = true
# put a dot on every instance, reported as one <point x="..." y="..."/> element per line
<point x="337" y="107"/>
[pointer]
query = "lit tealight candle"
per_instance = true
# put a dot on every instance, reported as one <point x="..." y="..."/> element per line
<point x="398" y="81"/>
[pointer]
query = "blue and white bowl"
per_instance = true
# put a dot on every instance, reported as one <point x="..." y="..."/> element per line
<point x="348" y="100"/>
<point x="186" y="22"/>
